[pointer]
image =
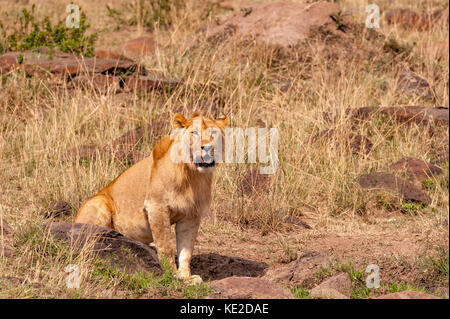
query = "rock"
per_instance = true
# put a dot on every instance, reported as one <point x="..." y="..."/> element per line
<point x="405" y="114"/>
<point x="138" y="47"/>
<point x="336" y="287"/>
<point x="109" y="244"/>
<point x="107" y="54"/>
<point x="296" y="221"/>
<point x="417" y="168"/>
<point x="6" y="246"/>
<point x="214" y="266"/>
<point x="358" y="143"/>
<point x="327" y="293"/>
<point x="383" y="180"/>
<point x="408" y="295"/>
<point x="247" y="288"/>
<point x="99" y="82"/>
<point x="442" y="291"/>
<point x="411" y="83"/>
<point x="58" y="209"/>
<point x="5" y="229"/>
<point x="147" y="83"/>
<point x="60" y="63"/>
<point x="254" y="183"/>
<point x="301" y="272"/>
<point x="434" y="50"/>
<point x="409" y="19"/>
<point x="82" y="152"/>
<point x="130" y="140"/>
<point x="283" y="23"/>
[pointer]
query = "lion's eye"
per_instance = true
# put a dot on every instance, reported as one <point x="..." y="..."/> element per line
<point x="195" y="133"/>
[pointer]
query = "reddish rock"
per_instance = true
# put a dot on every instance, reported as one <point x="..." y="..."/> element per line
<point x="57" y="209"/>
<point x="6" y="245"/>
<point x="296" y="221"/>
<point x="138" y="48"/>
<point x="358" y="143"/>
<point x="100" y="82"/>
<point x="147" y="83"/>
<point x="60" y="63"/>
<point x="254" y="183"/>
<point x="417" y="168"/>
<point x="285" y="23"/>
<point x="409" y="19"/>
<point x="336" y="287"/>
<point x="247" y="288"/>
<point x="83" y="152"/>
<point x="408" y="295"/>
<point x="383" y="180"/>
<point x="404" y="114"/>
<point x="107" y="54"/>
<point x="411" y="83"/>
<point x="5" y="229"/>
<point x="301" y="272"/>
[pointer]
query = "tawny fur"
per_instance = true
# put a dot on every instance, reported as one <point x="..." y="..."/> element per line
<point x="145" y="200"/>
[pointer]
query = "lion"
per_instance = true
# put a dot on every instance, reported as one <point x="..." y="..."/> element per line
<point x="168" y="187"/>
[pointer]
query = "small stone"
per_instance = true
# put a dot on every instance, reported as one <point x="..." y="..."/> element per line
<point x="301" y="272"/>
<point x="254" y="183"/>
<point x="411" y="83"/>
<point x="340" y="283"/>
<point x="82" y="152"/>
<point x="58" y="209"/>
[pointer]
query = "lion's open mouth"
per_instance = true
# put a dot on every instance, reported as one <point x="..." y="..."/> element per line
<point x="205" y="165"/>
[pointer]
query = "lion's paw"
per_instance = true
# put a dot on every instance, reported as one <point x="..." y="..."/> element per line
<point x="194" y="280"/>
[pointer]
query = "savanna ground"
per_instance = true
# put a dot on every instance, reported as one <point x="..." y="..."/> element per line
<point x="315" y="180"/>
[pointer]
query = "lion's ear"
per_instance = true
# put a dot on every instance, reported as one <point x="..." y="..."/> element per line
<point x="179" y="121"/>
<point x="222" y="121"/>
<point x="197" y="113"/>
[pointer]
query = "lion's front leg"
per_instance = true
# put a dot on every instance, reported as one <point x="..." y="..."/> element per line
<point x="186" y="232"/>
<point x="159" y="220"/>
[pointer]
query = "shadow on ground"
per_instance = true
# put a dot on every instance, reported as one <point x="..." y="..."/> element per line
<point x="214" y="266"/>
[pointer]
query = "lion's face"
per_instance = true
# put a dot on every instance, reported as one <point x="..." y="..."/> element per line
<point x="199" y="141"/>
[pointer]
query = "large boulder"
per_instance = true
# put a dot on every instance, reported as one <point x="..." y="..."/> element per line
<point x="109" y="244"/>
<point x="60" y="63"/>
<point x="283" y="23"/>
<point x="247" y="288"/>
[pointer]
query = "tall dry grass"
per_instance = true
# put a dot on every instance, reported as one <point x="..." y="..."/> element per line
<point x="316" y="177"/>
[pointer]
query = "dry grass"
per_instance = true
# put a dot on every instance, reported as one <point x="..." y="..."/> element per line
<point x="316" y="178"/>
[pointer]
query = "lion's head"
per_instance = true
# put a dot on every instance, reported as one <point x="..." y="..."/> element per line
<point x="199" y="141"/>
